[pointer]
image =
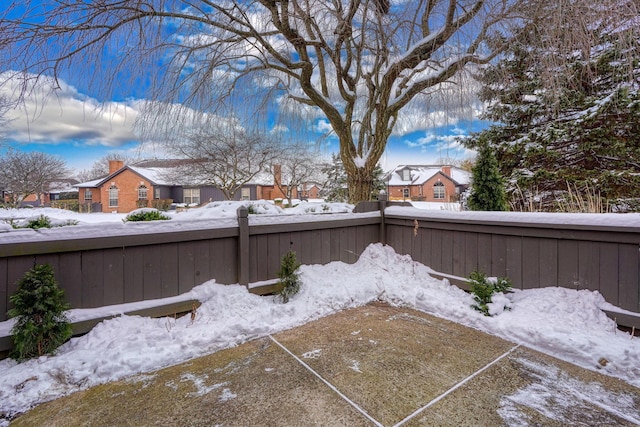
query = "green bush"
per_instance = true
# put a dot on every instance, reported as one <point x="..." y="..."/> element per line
<point x="484" y="289"/>
<point x="289" y="283"/>
<point x="146" y="215"/>
<point x="39" y="222"/>
<point x="38" y="306"/>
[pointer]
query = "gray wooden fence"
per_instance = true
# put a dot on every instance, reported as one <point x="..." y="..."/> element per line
<point x="112" y="270"/>
<point x="531" y="255"/>
<point x="99" y="271"/>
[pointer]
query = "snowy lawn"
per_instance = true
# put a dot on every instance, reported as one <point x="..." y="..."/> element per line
<point x="564" y="323"/>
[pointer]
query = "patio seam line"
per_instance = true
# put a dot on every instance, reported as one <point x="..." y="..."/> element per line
<point x="458" y="385"/>
<point x="328" y="384"/>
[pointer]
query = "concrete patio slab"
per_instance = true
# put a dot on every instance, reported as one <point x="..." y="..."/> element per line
<point x="369" y="366"/>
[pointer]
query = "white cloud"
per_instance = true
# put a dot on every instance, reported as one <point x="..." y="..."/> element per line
<point x="63" y="114"/>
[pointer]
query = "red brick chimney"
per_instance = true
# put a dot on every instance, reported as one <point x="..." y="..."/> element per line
<point x="446" y="170"/>
<point x="115" y="165"/>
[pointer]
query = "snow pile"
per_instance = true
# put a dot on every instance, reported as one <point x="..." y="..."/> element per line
<point x="564" y="323"/>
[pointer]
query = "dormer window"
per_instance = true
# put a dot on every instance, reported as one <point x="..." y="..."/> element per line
<point x="406" y="174"/>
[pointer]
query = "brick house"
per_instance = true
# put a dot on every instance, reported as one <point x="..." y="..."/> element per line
<point x="130" y="187"/>
<point x="308" y="190"/>
<point x="429" y="183"/>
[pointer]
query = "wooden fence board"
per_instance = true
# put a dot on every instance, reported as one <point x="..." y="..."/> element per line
<point x="134" y="274"/>
<point x="513" y="265"/>
<point x="609" y="272"/>
<point x="471" y="253"/>
<point x="531" y="268"/>
<point x="93" y="278"/>
<point x="436" y="251"/>
<point x="484" y="253"/>
<point x="459" y="253"/>
<point x="113" y="272"/>
<point x="548" y="256"/>
<point x="628" y="276"/>
<point x="568" y="264"/>
<point x="589" y="265"/>
<point x="498" y="256"/>
<point x="446" y="261"/>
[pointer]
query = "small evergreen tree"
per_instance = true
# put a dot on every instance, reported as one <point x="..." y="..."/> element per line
<point x="484" y="289"/>
<point x="289" y="282"/>
<point x="487" y="190"/>
<point x="38" y="306"/>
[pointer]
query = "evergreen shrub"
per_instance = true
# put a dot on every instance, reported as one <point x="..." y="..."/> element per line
<point x="38" y="306"/>
<point x="145" y="215"/>
<point x="289" y="283"/>
<point x="483" y="290"/>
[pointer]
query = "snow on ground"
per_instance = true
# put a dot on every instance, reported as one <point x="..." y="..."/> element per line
<point x="565" y="323"/>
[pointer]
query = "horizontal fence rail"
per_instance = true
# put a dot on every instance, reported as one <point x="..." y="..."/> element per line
<point x="141" y="263"/>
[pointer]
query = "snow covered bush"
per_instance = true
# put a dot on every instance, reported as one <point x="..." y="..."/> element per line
<point x="145" y="214"/>
<point x="38" y="306"/>
<point x="488" y="293"/>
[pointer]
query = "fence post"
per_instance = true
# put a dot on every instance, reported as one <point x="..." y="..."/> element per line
<point x="382" y="204"/>
<point x="243" y="245"/>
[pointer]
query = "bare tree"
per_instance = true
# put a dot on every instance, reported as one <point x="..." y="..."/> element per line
<point x="227" y="157"/>
<point x="26" y="173"/>
<point x="100" y="167"/>
<point x="297" y="165"/>
<point x="357" y="63"/>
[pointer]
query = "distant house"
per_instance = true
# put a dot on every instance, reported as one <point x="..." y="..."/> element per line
<point x="129" y="187"/>
<point x="429" y="183"/>
<point x="51" y="193"/>
<point x="308" y="190"/>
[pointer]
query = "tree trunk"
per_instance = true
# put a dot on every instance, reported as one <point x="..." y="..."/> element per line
<point x="360" y="183"/>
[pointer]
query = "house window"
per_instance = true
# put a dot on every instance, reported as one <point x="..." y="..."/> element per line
<point x="142" y="192"/>
<point x="88" y="195"/>
<point x="406" y="175"/>
<point x="113" y="196"/>
<point x="405" y="193"/>
<point x="246" y="193"/>
<point x="191" y="196"/>
<point x="438" y="190"/>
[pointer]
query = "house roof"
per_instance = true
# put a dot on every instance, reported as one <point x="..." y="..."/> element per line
<point x="158" y="172"/>
<point x="422" y="173"/>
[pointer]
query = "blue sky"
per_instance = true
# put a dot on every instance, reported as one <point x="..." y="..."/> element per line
<point x="81" y="127"/>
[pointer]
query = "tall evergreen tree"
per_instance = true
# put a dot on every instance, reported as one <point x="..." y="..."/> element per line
<point x="575" y="124"/>
<point x="487" y="189"/>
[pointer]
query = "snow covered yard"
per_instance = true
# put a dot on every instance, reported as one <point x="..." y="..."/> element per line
<point x="564" y="323"/>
